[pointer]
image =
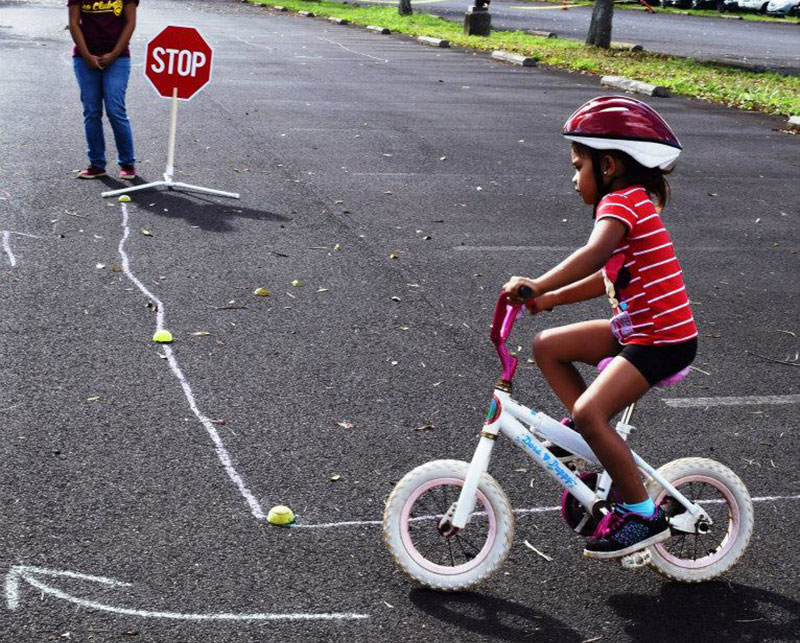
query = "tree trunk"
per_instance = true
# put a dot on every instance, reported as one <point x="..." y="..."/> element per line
<point x="404" y="8"/>
<point x="600" y="27"/>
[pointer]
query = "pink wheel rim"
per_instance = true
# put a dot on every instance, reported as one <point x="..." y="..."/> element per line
<point x="731" y="536"/>
<point x="424" y="562"/>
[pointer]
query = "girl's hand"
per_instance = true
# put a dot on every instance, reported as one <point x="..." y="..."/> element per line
<point x="95" y="62"/>
<point x="106" y="60"/>
<point x="513" y="285"/>
<point x="546" y="301"/>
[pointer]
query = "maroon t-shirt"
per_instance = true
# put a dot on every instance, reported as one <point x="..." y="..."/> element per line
<point x="102" y="22"/>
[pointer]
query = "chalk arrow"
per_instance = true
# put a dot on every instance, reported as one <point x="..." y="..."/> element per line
<point x="32" y="576"/>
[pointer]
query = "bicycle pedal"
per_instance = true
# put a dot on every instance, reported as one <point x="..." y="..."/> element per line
<point x="636" y="559"/>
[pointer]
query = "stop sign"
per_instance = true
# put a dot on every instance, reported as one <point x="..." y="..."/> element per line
<point x="178" y="59"/>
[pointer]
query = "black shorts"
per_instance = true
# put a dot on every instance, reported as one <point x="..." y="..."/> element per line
<point x="657" y="363"/>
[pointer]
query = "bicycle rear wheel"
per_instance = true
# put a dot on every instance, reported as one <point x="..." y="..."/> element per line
<point x="411" y="527"/>
<point x="713" y="548"/>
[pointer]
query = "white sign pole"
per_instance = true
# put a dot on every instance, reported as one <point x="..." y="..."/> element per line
<point x="173" y="125"/>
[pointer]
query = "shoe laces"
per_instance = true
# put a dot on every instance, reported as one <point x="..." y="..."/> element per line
<point x="608" y="525"/>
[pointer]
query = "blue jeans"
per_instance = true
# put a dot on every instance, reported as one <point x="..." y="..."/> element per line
<point x="105" y="86"/>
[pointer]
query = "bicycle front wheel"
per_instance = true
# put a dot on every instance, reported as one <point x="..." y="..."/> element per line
<point x="713" y="548"/>
<point x="411" y="527"/>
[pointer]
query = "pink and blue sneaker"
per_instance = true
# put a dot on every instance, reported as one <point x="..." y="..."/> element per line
<point x="623" y="532"/>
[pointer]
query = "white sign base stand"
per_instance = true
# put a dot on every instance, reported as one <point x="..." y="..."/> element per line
<point x="168" y="182"/>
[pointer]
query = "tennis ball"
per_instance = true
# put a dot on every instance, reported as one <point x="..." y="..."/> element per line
<point x="162" y="337"/>
<point x="124" y="198"/>
<point x="280" y="515"/>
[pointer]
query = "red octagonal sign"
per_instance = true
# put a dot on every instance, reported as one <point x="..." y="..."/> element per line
<point x="178" y="60"/>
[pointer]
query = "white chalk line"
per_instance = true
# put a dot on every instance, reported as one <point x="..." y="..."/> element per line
<point x="222" y="453"/>
<point x="530" y="510"/>
<point x="351" y="50"/>
<point x="7" y="244"/>
<point x="687" y="402"/>
<point x="28" y="574"/>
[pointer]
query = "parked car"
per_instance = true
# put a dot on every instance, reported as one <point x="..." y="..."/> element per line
<point x="709" y="4"/>
<point x="744" y="5"/>
<point x="783" y="8"/>
<point x="680" y="4"/>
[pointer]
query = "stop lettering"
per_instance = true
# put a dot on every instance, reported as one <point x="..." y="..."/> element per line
<point x="178" y="61"/>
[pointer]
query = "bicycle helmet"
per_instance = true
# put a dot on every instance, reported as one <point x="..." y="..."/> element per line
<point x="624" y="124"/>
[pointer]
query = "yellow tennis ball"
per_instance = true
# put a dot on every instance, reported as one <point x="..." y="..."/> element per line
<point x="163" y="337"/>
<point x="280" y="515"/>
<point x="124" y="198"/>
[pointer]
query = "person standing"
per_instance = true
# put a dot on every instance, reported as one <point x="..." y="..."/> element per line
<point x="101" y="31"/>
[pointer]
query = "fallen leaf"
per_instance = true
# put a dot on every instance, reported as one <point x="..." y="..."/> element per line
<point x="394" y="255"/>
<point x="338" y="201"/>
<point x="337" y="247"/>
<point x="115" y="267"/>
<point x="345" y="424"/>
<point x="335" y="477"/>
<point x="201" y="333"/>
<point x="479" y="189"/>
<point x="425" y="427"/>
<point x="93" y="399"/>
<point x="297" y="283"/>
<point x="146" y="232"/>
<point x="100" y="266"/>
<point x="322" y="290"/>
<point x="442" y="158"/>
<point x="395" y="298"/>
<point x="261" y="292"/>
<point x="404" y="328"/>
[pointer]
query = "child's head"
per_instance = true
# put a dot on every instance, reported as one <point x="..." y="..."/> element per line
<point x="619" y="141"/>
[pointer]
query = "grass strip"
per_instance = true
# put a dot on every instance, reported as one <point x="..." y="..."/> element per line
<point x="765" y="92"/>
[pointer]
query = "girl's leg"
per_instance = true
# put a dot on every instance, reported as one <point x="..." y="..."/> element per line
<point x="619" y="385"/>
<point x="557" y="348"/>
<point x="115" y="84"/>
<point x="90" y="82"/>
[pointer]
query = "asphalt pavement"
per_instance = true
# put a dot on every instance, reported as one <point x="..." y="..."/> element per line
<point x="146" y="519"/>
<point x="745" y="43"/>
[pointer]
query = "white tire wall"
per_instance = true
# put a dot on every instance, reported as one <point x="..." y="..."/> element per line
<point x="498" y="505"/>
<point x="740" y="506"/>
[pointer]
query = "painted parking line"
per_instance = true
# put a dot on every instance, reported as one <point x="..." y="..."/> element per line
<point x="219" y="447"/>
<point x="688" y="402"/>
<point x="519" y="512"/>
<point x="352" y="51"/>
<point x="7" y="243"/>
<point x="32" y="576"/>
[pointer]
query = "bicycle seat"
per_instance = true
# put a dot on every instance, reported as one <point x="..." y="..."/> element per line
<point x="672" y="380"/>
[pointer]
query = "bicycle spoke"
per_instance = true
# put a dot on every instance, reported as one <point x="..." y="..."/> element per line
<point x="460" y="537"/>
<point x="450" y="547"/>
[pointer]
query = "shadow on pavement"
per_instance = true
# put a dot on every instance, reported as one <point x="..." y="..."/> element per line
<point x="209" y="213"/>
<point x="709" y="612"/>
<point x="493" y="617"/>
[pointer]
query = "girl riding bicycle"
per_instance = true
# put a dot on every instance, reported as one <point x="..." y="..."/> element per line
<point x="621" y="151"/>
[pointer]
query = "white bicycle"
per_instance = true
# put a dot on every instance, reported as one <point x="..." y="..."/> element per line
<point x="441" y="539"/>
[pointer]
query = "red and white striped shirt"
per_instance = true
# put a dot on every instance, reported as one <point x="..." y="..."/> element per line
<point x="643" y="274"/>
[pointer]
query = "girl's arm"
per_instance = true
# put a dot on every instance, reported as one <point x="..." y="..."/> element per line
<point x="588" y="288"/>
<point x="125" y="37"/>
<point x="78" y="39"/>
<point x="582" y="263"/>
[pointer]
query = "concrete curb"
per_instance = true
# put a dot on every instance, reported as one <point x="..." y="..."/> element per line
<point x="794" y="123"/>
<point x="307" y="14"/>
<point x="382" y="30"/>
<point x="433" y="42"/>
<point x="514" y="59"/>
<point x="629" y="85"/>
<point x="276" y="7"/>
<point x="626" y="46"/>
<point x="541" y="34"/>
<point x="339" y="21"/>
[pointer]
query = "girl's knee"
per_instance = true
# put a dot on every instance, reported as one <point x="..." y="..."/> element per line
<point x="587" y="420"/>
<point x="542" y="345"/>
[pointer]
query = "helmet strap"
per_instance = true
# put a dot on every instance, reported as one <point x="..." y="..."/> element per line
<point x="602" y="190"/>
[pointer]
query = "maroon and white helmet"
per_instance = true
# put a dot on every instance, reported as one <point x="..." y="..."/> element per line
<point x="624" y="124"/>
